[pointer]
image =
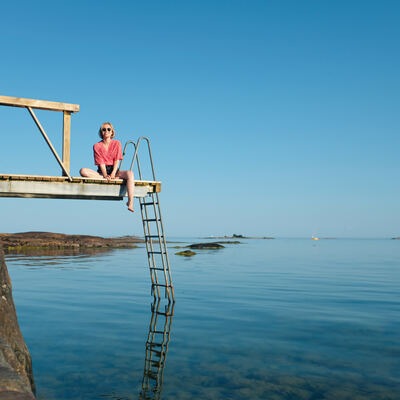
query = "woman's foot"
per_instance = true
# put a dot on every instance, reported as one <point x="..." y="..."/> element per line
<point x="130" y="206"/>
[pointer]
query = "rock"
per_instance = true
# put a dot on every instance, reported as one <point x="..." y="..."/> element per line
<point x="45" y="242"/>
<point x="16" y="377"/>
<point x="186" y="253"/>
<point x="206" y="246"/>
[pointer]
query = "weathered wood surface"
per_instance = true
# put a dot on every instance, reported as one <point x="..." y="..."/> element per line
<point x="39" y="104"/>
<point x="59" y="187"/>
<point x="66" y="148"/>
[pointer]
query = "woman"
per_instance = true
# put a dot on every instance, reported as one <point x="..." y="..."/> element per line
<point x="107" y="155"/>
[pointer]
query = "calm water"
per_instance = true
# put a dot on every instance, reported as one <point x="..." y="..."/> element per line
<point x="264" y="319"/>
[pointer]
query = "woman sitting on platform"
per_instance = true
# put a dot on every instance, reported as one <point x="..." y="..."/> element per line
<point x="107" y="155"/>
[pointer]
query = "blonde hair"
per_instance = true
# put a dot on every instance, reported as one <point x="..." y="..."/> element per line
<point x="112" y="129"/>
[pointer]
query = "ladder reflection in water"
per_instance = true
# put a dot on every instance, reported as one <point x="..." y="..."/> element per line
<point x="156" y="351"/>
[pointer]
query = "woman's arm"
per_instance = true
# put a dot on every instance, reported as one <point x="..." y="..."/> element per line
<point x="103" y="170"/>
<point x="115" y="169"/>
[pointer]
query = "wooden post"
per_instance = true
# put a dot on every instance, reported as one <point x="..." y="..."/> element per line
<point x="66" y="153"/>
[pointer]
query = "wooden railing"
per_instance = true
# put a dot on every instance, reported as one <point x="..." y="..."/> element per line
<point x="65" y="108"/>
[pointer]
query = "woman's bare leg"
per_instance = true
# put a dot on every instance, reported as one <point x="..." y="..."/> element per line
<point x="130" y="186"/>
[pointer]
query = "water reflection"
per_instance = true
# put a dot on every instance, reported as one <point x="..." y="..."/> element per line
<point x="12" y="252"/>
<point x="54" y="258"/>
<point x="156" y="350"/>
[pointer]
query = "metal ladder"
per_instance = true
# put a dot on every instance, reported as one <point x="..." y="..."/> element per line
<point x="156" y="351"/>
<point x="156" y="246"/>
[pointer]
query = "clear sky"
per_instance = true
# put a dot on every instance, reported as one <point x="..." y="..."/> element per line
<point x="267" y="118"/>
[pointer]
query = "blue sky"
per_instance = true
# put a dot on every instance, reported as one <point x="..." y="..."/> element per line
<point x="267" y="118"/>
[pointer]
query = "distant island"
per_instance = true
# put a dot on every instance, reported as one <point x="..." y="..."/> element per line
<point x="39" y="242"/>
<point x="239" y="236"/>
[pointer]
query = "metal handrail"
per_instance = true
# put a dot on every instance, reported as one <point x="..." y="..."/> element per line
<point x="135" y="155"/>
<point x="124" y="151"/>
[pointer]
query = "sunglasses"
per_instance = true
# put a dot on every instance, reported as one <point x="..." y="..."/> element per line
<point x="106" y="129"/>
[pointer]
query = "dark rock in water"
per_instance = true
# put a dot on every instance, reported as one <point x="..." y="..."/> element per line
<point x="206" y="246"/>
<point x="186" y="253"/>
<point x="16" y="377"/>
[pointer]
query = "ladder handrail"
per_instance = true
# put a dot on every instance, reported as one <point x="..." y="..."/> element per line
<point x="135" y="154"/>
<point x="124" y="151"/>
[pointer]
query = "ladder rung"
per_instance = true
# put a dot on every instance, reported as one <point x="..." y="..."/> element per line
<point x="157" y="268"/>
<point x="161" y="284"/>
<point x="153" y="236"/>
<point x="150" y="203"/>
<point x="156" y="252"/>
<point x="155" y="344"/>
<point x="151" y="219"/>
<point x="165" y="315"/>
<point x="158" y="351"/>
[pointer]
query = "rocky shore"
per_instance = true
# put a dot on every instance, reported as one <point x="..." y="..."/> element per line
<point x="16" y="377"/>
<point x="33" y="242"/>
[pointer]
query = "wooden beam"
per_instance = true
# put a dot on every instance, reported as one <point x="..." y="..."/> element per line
<point x="66" y="158"/>
<point x="39" y="104"/>
<point x="46" y="138"/>
<point x="57" y="187"/>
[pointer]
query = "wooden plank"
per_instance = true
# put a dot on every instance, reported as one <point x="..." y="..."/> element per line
<point x="58" y="187"/>
<point x="78" y="179"/>
<point x="60" y="190"/>
<point x="66" y="158"/>
<point x="39" y="104"/>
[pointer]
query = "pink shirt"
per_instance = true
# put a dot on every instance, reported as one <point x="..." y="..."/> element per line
<point x="107" y="156"/>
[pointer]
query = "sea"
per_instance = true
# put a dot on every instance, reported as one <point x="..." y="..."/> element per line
<point x="273" y="319"/>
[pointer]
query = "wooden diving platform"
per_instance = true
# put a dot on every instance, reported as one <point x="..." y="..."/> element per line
<point x="62" y="187"/>
<point x="66" y="186"/>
